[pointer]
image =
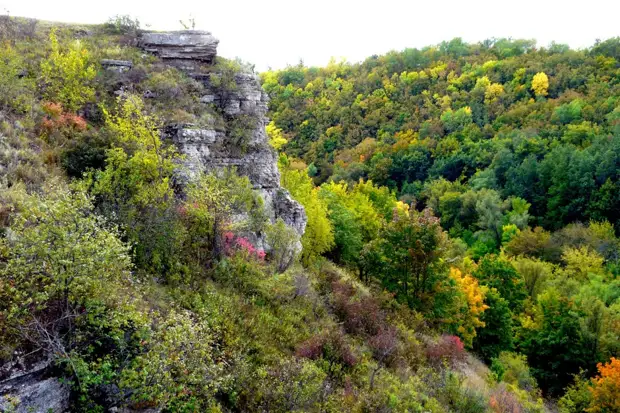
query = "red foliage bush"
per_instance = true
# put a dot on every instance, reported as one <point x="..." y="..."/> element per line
<point x="384" y="345"/>
<point x="447" y="349"/>
<point x="360" y="315"/>
<point x="233" y="243"/>
<point x="58" y="120"/>
<point x="74" y="121"/>
<point x="331" y="347"/>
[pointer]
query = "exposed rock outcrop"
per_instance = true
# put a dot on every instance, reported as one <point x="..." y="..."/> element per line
<point x="213" y="148"/>
<point x="31" y="391"/>
<point x="119" y="66"/>
<point x="182" y="45"/>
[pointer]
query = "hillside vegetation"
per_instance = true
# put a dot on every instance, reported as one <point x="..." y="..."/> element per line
<point x="516" y="150"/>
<point x="431" y="289"/>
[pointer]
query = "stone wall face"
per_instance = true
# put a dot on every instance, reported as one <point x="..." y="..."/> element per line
<point x="210" y="149"/>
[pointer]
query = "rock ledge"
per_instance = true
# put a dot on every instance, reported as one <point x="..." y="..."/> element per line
<point x="181" y="45"/>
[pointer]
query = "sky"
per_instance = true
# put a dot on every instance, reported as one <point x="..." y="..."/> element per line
<point x="275" y="33"/>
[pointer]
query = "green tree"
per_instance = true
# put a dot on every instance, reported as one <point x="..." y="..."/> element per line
<point x="412" y="246"/>
<point x="355" y="220"/>
<point x="535" y="273"/>
<point x="496" y="335"/>
<point x="456" y="120"/>
<point x="348" y="236"/>
<point x="554" y="343"/>
<point x="499" y="273"/>
<point x="276" y="138"/>
<point x="490" y="214"/>
<point x="577" y="397"/>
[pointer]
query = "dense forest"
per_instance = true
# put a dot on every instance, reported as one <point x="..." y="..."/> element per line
<point x="460" y="253"/>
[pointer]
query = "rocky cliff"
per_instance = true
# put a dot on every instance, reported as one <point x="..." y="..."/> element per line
<point x="213" y="148"/>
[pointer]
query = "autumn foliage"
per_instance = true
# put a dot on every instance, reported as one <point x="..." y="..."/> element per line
<point x="57" y="119"/>
<point x="606" y="388"/>
<point x="447" y="349"/>
<point x="234" y="243"/>
<point x="473" y="306"/>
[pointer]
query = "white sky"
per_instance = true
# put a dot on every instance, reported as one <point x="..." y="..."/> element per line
<point x="274" y="33"/>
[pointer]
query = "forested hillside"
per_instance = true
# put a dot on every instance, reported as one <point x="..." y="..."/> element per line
<point x="460" y="252"/>
<point x="538" y="124"/>
<point x="515" y="149"/>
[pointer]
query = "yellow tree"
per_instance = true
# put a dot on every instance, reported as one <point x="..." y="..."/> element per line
<point x="472" y="305"/>
<point x="493" y="92"/>
<point x="540" y="84"/>
<point x="319" y="235"/>
<point x="276" y="137"/>
<point x="67" y="75"/>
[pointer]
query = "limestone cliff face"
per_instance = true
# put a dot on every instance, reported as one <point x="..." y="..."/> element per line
<point x="209" y="149"/>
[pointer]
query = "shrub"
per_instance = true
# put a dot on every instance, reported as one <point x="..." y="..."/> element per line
<point x="330" y="347"/>
<point x="446" y="349"/>
<point x="290" y="385"/>
<point x="461" y="397"/>
<point x="222" y="80"/>
<point x="59" y="122"/>
<point x="502" y="400"/>
<point x="85" y="153"/>
<point x="360" y="314"/>
<point x="283" y="241"/>
<point x="384" y="345"/>
<point x="512" y="368"/>
<point x="67" y="74"/>
<point x="16" y="28"/>
<point x="234" y="244"/>
<point x="178" y="368"/>
<point x="17" y="90"/>
<point x="175" y="95"/>
<point x="122" y="24"/>
<point x="50" y="295"/>
<point x="211" y="200"/>
<point x="239" y="130"/>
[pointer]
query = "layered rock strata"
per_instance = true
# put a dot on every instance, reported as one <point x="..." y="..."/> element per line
<point x="212" y="149"/>
<point x="194" y="45"/>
